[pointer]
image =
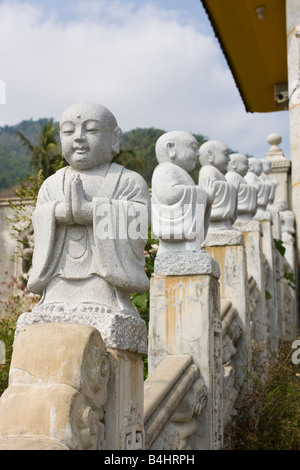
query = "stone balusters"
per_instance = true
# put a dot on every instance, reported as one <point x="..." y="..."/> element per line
<point x="221" y="297"/>
<point x="215" y="294"/>
<point x="225" y="244"/>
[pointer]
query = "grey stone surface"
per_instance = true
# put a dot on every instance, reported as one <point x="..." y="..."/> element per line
<point x="266" y="171"/>
<point x="119" y="331"/>
<point x="247" y="195"/>
<point x="224" y="237"/>
<point x="186" y="263"/>
<point x="214" y="159"/>
<point x="248" y="226"/>
<point x="253" y="178"/>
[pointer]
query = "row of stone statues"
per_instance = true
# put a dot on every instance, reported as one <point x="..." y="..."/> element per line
<point x="230" y="188"/>
<point x="85" y="257"/>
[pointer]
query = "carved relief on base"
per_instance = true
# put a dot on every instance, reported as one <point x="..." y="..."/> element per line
<point x="132" y="432"/>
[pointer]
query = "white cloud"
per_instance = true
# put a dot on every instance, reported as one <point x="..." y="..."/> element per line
<point x="150" y="66"/>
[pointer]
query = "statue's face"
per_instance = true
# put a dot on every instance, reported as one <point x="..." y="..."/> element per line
<point x="186" y="153"/>
<point x="266" y="167"/>
<point x="255" y="166"/>
<point x="86" y="137"/>
<point x="242" y="166"/>
<point x="221" y="157"/>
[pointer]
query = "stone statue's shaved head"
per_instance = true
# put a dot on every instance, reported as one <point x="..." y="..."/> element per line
<point x="88" y="111"/>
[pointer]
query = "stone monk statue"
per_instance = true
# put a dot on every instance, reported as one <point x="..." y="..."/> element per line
<point x="180" y="208"/>
<point x="247" y="195"/>
<point x="214" y="159"/>
<point x="266" y="170"/>
<point x="253" y="178"/>
<point x="90" y="222"/>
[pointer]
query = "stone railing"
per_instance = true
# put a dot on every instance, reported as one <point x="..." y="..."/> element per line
<point x="210" y="330"/>
<point x="165" y="389"/>
<point x="252" y="321"/>
<point x="217" y="315"/>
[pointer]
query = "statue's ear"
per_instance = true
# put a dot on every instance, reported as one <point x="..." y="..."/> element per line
<point x="170" y="147"/>
<point x="117" y="137"/>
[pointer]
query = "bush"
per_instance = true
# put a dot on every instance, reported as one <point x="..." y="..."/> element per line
<point x="270" y="419"/>
<point x="11" y="309"/>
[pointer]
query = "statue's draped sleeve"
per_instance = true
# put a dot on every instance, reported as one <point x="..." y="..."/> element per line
<point x="263" y="190"/>
<point x="225" y="200"/>
<point x="120" y="257"/>
<point x="48" y="238"/>
<point x="247" y="194"/>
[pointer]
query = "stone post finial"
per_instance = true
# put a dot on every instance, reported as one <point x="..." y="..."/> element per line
<point x="274" y="151"/>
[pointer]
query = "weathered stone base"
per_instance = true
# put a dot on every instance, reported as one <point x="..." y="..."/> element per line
<point x="124" y="408"/>
<point x="186" y="263"/>
<point x="57" y="389"/>
<point x="223" y="237"/>
<point x="234" y="289"/>
<point x="185" y="319"/>
<point x="119" y="331"/>
<point x="258" y="320"/>
<point x="272" y="289"/>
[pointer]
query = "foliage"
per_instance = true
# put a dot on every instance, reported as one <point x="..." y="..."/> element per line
<point x="270" y="418"/>
<point x="11" y="308"/>
<point x="129" y="159"/>
<point x="289" y="278"/>
<point x="46" y="155"/>
<point x="21" y="225"/>
<point x="23" y="149"/>
<point x="142" y="142"/>
<point x="14" y="158"/>
<point x="141" y="301"/>
<point x="279" y="246"/>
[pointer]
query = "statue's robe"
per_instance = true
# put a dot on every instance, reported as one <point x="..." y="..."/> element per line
<point x="263" y="189"/>
<point x="273" y="185"/>
<point x="78" y="252"/>
<point x="224" y="206"/>
<point x="246" y="196"/>
<point x="180" y="212"/>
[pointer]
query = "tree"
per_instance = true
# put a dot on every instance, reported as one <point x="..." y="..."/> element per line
<point x="129" y="159"/>
<point x="46" y="159"/>
<point x="46" y="155"/>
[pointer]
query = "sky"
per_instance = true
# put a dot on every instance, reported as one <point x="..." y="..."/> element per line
<point x="152" y="63"/>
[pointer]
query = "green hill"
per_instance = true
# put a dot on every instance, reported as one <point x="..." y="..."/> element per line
<point x="14" y="157"/>
<point x="137" y="151"/>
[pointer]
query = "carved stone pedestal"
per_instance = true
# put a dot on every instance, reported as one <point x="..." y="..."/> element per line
<point x="60" y="376"/>
<point x="124" y="407"/>
<point x="57" y="390"/>
<point x="227" y="248"/>
<point x="125" y="337"/>
<point x="256" y="272"/>
<point x="185" y="319"/>
<point x="272" y="299"/>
